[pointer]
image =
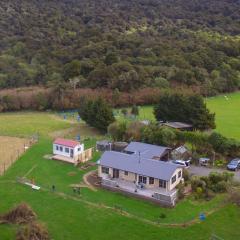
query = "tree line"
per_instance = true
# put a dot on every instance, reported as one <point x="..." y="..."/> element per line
<point x="120" y="44"/>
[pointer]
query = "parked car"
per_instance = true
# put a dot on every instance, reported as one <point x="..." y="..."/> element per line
<point x="234" y="165"/>
<point x="183" y="163"/>
<point x="204" y="161"/>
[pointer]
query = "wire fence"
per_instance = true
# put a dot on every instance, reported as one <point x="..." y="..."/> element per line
<point x="13" y="152"/>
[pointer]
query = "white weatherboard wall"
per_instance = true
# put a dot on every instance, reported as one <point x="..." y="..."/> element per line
<point x="61" y="150"/>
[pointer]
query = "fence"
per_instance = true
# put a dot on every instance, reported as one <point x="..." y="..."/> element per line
<point x="11" y="148"/>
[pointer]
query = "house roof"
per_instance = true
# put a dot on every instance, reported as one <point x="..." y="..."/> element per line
<point x="178" y="125"/>
<point x="132" y="163"/>
<point x="66" y="142"/>
<point x="146" y="150"/>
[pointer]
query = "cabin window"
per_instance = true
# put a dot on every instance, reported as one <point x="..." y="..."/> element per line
<point x="61" y="149"/>
<point x="174" y="178"/>
<point x="67" y="150"/>
<point x="57" y="148"/>
<point x="126" y="173"/>
<point x="162" y="183"/>
<point x="151" y="180"/>
<point x="105" y="170"/>
<point x="179" y="174"/>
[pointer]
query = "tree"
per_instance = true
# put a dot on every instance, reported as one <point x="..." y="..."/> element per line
<point x="190" y="109"/>
<point x="134" y="110"/>
<point x="111" y="58"/>
<point x="117" y="130"/>
<point x="71" y="70"/>
<point x="96" y="113"/>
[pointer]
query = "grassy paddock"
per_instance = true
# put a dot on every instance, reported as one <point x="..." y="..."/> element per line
<point x="227" y="110"/>
<point x="10" y="150"/>
<point x="91" y="215"/>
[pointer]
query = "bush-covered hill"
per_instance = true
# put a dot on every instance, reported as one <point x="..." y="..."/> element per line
<point x="124" y="44"/>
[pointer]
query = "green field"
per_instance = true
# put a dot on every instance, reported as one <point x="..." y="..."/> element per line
<point x="95" y="215"/>
<point x="227" y="112"/>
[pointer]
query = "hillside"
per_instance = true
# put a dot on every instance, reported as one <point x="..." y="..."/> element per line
<point x="121" y="44"/>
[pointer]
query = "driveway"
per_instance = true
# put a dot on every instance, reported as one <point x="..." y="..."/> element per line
<point x="204" y="171"/>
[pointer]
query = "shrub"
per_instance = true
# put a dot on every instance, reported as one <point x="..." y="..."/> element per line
<point x="220" y="187"/>
<point x="186" y="175"/>
<point x="234" y="196"/>
<point x="180" y="192"/>
<point x="32" y="231"/>
<point x="197" y="183"/>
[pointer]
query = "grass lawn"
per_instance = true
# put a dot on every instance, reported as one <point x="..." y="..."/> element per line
<point x="29" y="123"/>
<point x="92" y="214"/>
<point x="227" y="114"/>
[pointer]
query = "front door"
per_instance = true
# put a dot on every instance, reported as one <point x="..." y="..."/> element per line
<point x="115" y="173"/>
<point x="71" y="153"/>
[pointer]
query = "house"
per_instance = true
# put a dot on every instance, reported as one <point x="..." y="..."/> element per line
<point x="70" y="151"/>
<point x="179" y="126"/>
<point x="148" y="151"/>
<point x="139" y="175"/>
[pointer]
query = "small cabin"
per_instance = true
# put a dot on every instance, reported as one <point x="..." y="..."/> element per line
<point x="67" y="150"/>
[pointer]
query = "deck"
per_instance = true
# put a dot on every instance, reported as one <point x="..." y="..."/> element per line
<point x="64" y="159"/>
<point x="157" y="194"/>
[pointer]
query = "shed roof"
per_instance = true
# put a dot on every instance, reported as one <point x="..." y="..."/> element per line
<point x="66" y="142"/>
<point x="142" y="166"/>
<point x="146" y="150"/>
<point x="178" y="125"/>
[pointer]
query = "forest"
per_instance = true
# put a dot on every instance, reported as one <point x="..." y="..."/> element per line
<point x="121" y="45"/>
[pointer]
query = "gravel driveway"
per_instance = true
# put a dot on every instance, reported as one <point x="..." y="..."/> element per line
<point x="204" y="171"/>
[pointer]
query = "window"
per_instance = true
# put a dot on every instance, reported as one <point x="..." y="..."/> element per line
<point x="174" y="178"/>
<point x="162" y="183"/>
<point x="151" y="180"/>
<point x="67" y="150"/>
<point x="126" y="173"/>
<point x="79" y="149"/>
<point x="57" y="148"/>
<point x="61" y="149"/>
<point x="179" y="174"/>
<point x="142" y="179"/>
<point x="105" y="170"/>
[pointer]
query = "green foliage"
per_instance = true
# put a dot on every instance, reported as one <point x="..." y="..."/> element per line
<point x="71" y="69"/>
<point x="190" y="109"/>
<point x="134" y="110"/>
<point x="223" y="145"/>
<point x="146" y="45"/>
<point x="117" y="130"/>
<point x="205" y="187"/>
<point x="97" y="113"/>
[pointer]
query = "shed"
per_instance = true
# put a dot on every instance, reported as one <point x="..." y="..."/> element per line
<point x="179" y="125"/>
<point x="103" y="146"/>
<point x="119" y="146"/>
<point x="181" y="153"/>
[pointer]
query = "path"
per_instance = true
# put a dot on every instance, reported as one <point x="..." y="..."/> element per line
<point x="204" y="171"/>
<point x="85" y="180"/>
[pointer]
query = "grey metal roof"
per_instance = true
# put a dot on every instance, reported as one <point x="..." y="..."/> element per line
<point x="178" y="125"/>
<point x="146" y="150"/>
<point x="132" y="163"/>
